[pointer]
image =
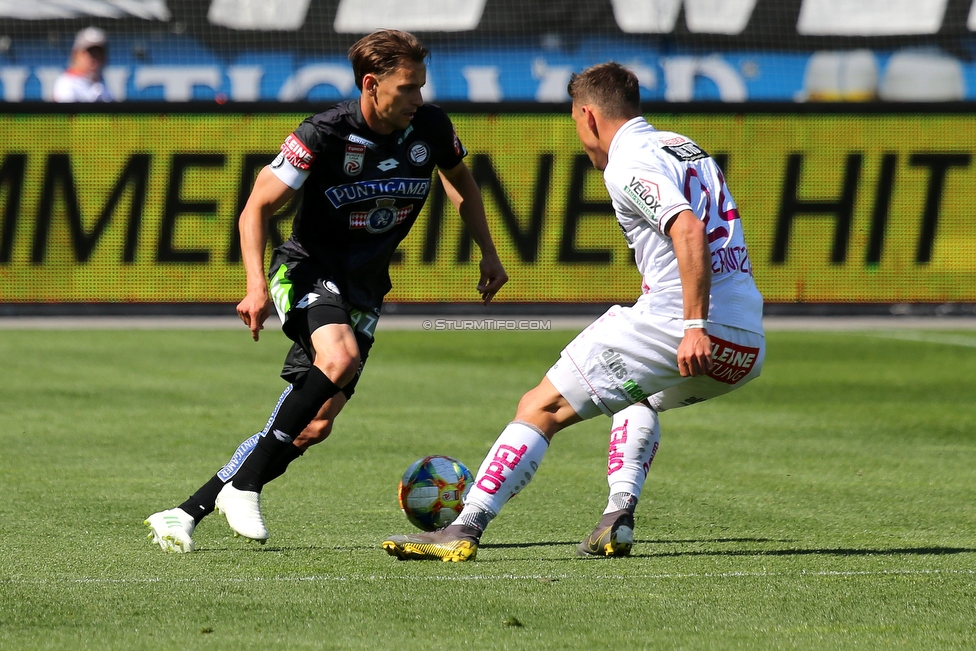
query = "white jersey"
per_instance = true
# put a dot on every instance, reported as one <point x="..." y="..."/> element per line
<point x="654" y="175"/>
<point x="70" y="87"/>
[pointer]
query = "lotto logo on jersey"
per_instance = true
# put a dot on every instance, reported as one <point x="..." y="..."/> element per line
<point x="731" y="362"/>
<point x="297" y="153"/>
<point x="355" y="155"/>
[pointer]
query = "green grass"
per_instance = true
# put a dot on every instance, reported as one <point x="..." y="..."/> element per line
<point x="829" y="505"/>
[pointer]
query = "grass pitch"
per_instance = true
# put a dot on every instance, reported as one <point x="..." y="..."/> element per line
<point x="828" y="505"/>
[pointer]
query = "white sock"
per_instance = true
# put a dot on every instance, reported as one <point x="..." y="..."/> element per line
<point x="509" y="466"/>
<point x="634" y="439"/>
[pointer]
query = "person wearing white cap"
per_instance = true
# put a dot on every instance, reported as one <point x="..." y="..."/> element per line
<point x="82" y="81"/>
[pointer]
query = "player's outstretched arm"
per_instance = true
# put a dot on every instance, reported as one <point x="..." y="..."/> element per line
<point x="464" y="193"/>
<point x="268" y="195"/>
<point x="687" y="233"/>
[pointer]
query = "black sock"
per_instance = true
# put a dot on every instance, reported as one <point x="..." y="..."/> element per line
<point x="201" y="503"/>
<point x="279" y="465"/>
<point x="291" y="416"/>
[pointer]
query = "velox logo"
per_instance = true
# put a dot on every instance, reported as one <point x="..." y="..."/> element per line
<point x="647" y="191"/>
<point x="646" y="197"/>
<point x="506" y="456"/>
<point x="297" y="153"/>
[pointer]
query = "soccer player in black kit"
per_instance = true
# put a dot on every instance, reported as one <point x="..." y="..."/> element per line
<point x="365" y="167"/>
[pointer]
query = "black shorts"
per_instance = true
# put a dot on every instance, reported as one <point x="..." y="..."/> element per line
<point x="307" y="299"/>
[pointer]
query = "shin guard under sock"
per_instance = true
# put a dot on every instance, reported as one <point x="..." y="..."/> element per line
<point x="509" y="466"/>
<point x="280" y="465"/>
<point x="634" y="439"/>
<point x="294" y="412"/>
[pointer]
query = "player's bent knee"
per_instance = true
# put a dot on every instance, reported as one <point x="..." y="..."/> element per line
<point x="339" y="368"/>
<point x="533" y="401"/>
<point x="545" y="408"/>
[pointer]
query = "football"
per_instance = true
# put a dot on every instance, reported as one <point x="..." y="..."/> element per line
<point x="432" y="491"/>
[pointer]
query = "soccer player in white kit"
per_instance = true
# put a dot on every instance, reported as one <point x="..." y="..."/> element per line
<point x="695" y="332"/>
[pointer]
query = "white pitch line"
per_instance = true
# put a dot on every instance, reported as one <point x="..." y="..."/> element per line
<point x="491" y="577"/>
<point x="927" y="337"/>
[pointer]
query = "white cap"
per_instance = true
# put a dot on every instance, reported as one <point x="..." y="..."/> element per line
<point x="88" y="38"/>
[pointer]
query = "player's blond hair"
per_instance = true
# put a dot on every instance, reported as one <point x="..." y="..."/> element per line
<point x="610" y="87"/>
<point x="383" y="52"/>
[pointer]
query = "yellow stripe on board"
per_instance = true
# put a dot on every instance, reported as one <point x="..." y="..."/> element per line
<point x="836" y="208"/>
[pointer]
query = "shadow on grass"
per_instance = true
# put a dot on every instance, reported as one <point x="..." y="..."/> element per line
<point x="652" y="542"/>
<point x="902" y="551"/>
<point x="895" y="551"/>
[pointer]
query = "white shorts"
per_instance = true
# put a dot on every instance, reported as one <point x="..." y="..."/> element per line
<point x="629" y="354"/>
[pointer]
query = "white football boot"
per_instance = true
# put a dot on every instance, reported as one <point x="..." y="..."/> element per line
<point x="243" y="512"/>
<point x="172" y="530"/>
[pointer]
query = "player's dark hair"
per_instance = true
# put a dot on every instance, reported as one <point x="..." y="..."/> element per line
<point x="610" y="87"/>
<point x="383" y="51"/>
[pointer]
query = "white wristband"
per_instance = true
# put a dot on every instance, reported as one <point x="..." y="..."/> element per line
<point x="694" y="323"/>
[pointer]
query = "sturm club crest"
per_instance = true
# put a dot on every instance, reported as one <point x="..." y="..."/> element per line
<point x="419" y="153"/>
<point x="380" y="219"/>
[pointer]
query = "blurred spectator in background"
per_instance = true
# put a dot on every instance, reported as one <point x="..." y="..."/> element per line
<point x="82" y="81"/>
